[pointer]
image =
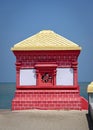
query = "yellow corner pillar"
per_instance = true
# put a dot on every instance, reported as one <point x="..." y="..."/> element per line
<point x="90" y="92"/>
<point x="90" y="99"/>
<point x="90" y="88"/>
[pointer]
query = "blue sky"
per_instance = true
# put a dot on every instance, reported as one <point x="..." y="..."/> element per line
<point x="20" y="19"/>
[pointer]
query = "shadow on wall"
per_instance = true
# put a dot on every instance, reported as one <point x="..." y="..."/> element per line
<point x="90" y="122"/>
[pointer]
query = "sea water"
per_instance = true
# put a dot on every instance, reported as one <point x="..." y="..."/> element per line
<point x="7" y="93"/>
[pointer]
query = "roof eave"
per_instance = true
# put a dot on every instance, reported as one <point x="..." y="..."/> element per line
<point x="47" y="48"/>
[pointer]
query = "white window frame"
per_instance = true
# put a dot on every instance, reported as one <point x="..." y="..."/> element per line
<point x="27" y="77"/>
<point x="64" y="76"/>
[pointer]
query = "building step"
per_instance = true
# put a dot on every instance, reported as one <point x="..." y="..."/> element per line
<point x="54" y="99"/>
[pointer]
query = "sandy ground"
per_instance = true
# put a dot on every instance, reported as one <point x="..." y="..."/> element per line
<point x="44" y="120"/>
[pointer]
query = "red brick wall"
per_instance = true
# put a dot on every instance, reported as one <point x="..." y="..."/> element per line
<point x="30" y="97"/>
<point x="47" y="99"/>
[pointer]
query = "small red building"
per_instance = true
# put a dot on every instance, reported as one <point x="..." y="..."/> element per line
<point x="47" y="73"/>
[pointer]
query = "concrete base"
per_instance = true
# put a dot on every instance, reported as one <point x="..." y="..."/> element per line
<point x="43" y="120"/>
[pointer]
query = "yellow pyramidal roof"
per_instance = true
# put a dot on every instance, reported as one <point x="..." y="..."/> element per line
<point x="46" y="40"/>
